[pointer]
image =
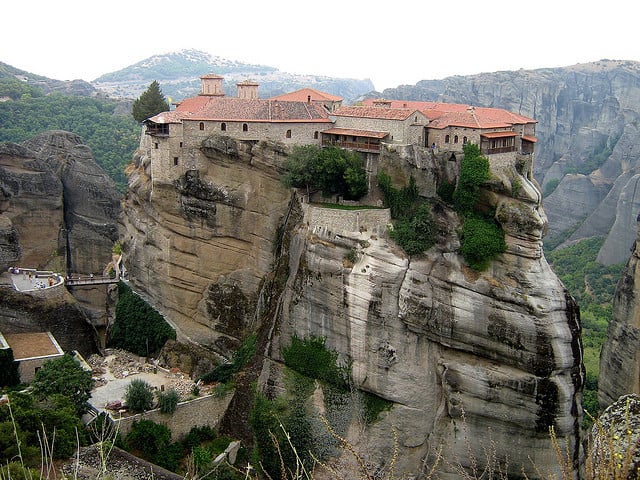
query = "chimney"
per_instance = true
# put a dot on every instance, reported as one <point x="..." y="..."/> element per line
<point x="247" y="90"/>
<point x="212" y="85"/>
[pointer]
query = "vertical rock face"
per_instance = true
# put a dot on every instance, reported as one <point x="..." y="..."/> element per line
<point x="58" y="210"/>
<point x="489" y="359"/>
<point x="467" y="358"/>
<point x="620" y="355"/>
<point x="199" y="248"/>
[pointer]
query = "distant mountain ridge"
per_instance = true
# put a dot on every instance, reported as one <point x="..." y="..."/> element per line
<point x="178" y="74"/>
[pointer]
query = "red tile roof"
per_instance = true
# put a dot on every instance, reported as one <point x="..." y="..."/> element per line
<point x="498" y="134"/>
<point x="529" y="138"/>
<point x="374" y="112"/>
<point x="210" y="108"/>
<point x="443" y="115"/>
<point x="356" y="133"/>
<point x="303" y="94"/>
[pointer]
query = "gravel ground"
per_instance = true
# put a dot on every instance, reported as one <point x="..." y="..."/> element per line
<point x="113" y="373"/>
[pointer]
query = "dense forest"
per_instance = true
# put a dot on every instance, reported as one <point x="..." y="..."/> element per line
<point x="104" y="125"/>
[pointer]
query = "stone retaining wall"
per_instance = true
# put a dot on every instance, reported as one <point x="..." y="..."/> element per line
<point x="205" y="410"/>
<point x="336" y="221"/>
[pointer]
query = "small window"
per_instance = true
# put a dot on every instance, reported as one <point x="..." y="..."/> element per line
<point x="175" y="160"/>
<point x="455" y="139"/>
<point x="464" y="140"/>
<point x="180" y="144"/>
<point x="446" y="139"/>
<point x="155" y="145"/>
<point x="201" y="125"/>
<point x="315" y="134"/>
<point x="415" y="119"/>
<point x="245" y="127"/>
<point x="288" y="134"/>
<point x="223" y="127"/>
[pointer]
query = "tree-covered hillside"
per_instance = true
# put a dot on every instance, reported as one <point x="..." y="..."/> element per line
<point x="593" y="286"/>
<point x="103" y="124"/>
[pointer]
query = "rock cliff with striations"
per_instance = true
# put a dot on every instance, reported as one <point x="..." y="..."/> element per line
<point x="620" y="355"/>
<point x="58" y="211"/>
<point x="493" y="358"/>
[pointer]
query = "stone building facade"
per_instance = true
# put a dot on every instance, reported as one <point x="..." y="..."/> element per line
<point x="173" y="140"/>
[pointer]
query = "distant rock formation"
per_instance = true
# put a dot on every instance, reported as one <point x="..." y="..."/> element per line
<point x="58" y="210"/>
<point x="620" y="355"/>
<point x="587" y="140"/>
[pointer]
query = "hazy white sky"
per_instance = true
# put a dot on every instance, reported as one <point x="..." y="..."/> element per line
<point x="391" y="42"/>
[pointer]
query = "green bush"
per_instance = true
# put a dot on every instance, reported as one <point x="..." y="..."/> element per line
<point x="9" y="374"/>
<point x="66" y="377"/>
<point x="417" y="233"/>
<point x="36" y="419"/>
<point x="413" y="229"/>
<point x="168" y="401"/>
<point x="474" y="171"/>
<point x="138" y="328"/>
<point x="139" y="396"/>
<point x="148" y="439"/>
<point x="331" y="170"/>
<point x="310" y="357"/>
<point x="482" y="241"/>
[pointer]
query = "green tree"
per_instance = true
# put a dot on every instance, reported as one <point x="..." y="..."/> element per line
<point x="150" y="103"/>
<point x="168" y="401"/>
<point x="331" y="170"/>
<point x="66" y="377"/>
<point x="474" y="171"/>
<point x="138" y="327"/>
<point x="139" y="396"/>
<point x="9" y="374"/>
<point x="482" y="240"/>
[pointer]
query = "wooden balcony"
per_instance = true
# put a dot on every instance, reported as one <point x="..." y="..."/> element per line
<point x="360" y="146"/>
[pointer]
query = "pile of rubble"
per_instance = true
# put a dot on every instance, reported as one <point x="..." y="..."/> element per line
<point x="122" y="364"/>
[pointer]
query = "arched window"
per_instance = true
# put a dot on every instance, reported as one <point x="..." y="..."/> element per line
<point x="201" y="125"/>
<point x="288" y="134"/>
<point x="464" y="140"/>
<point x="245" y="127"/>
<point x="446" y="139"/>
<point x="315" y="134"/>
<point x="455" y="139"/>
<point x="223" y="127"/>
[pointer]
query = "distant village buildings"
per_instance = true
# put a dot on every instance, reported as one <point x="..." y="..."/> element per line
<point x="310" y="117"/>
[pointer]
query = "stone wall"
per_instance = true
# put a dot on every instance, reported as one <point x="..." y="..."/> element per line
<point x="206" y="410"/>
<point x="331" y="220"/>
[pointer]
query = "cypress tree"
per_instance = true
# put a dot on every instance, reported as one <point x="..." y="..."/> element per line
<point x="150" y="103"/>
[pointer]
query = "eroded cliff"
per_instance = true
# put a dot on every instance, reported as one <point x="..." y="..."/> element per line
<point x="484" y="359"/>
<point x="620" y="355"/>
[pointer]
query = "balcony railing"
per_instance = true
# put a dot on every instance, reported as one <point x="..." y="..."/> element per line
<point x="491" y="151"/>
<point x="367" y="147"/>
